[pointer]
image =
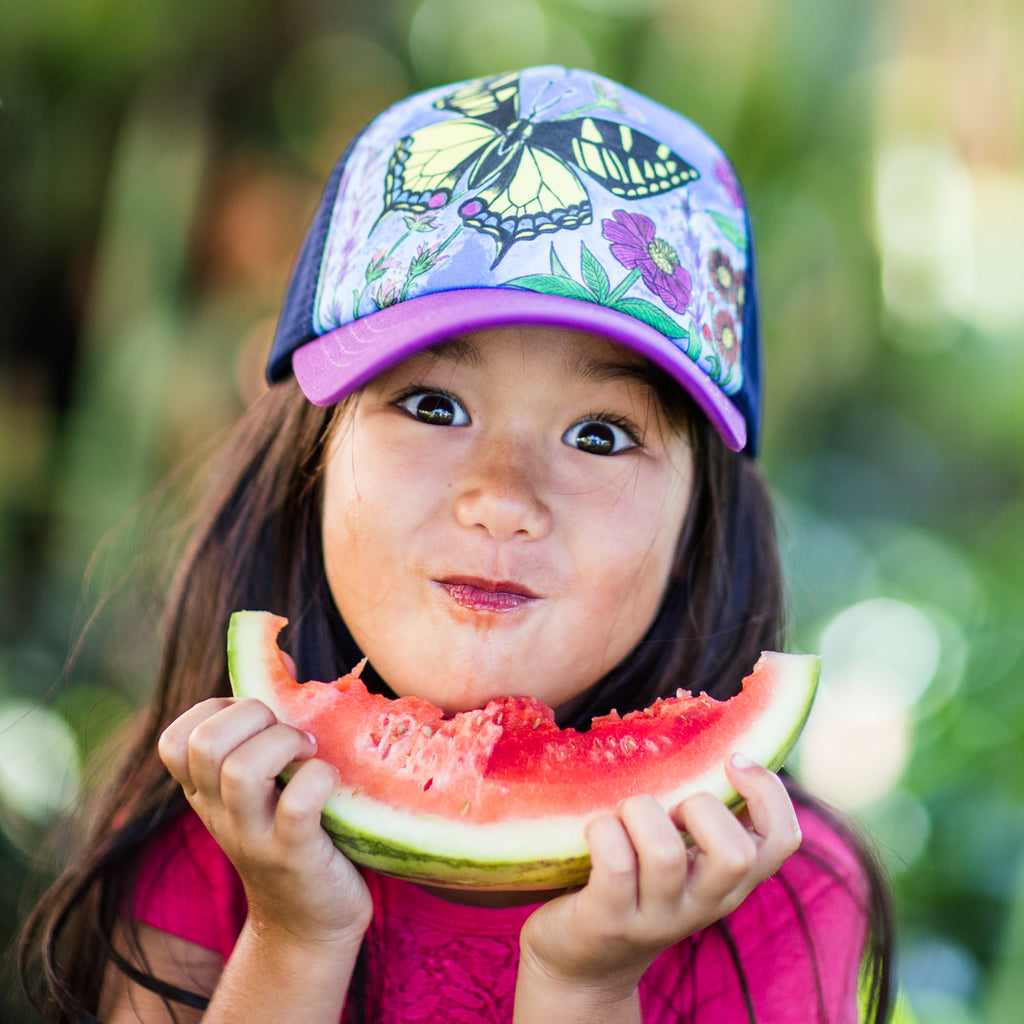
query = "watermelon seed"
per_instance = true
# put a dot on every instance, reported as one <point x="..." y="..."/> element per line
<point x="536" y="722"/>
<point x="465" y="808"/>
<point x="402" y="728"/>
<point x="427" y="731"/>
<point x="649" y="712"/>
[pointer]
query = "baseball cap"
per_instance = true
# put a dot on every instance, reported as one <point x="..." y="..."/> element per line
<point x="543" y="196"/>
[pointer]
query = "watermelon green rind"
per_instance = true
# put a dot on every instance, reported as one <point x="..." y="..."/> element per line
<point x="393" y="858"/>
<point x="545" y="849"/>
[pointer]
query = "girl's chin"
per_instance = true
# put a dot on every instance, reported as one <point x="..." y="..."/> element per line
<point x="452" y="700"/>
<point x="466" y="679"/>
<point x="452" y="697"/>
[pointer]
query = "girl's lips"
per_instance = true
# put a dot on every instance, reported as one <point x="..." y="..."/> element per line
<point x="483" y="595"/>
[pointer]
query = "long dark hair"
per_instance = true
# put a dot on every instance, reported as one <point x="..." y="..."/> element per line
<point x="256" y="544"/>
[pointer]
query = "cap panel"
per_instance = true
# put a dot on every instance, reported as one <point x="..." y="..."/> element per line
<point x="546" y="181"/>
<point x="295" y="324"/>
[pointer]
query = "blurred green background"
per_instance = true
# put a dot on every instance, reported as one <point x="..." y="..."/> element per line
<point x="158" y="164"/>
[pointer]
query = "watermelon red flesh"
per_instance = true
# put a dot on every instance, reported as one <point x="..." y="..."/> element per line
<point x="499" y="796"/>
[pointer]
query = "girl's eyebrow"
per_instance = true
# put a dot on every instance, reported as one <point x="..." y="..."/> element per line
<point x="609" y="371"/>
<point x="460" y="349"/>
<point x="457" y="349"/>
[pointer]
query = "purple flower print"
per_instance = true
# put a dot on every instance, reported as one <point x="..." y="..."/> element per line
<point x="386" y="294"/>
<point x="635" y="245"/>
<point x="725" y="337"/>
<point x="423" y="221"/>
<point x="727" y="281"/>
<point x="379" y="265"/>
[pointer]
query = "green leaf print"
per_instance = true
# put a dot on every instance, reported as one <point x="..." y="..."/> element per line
<point x="549" y="284"/>
<point x="556" y="265"/>
<point x="594" y="275"/>
<point x="649" y="313"/>
<point x="732" y="231"/>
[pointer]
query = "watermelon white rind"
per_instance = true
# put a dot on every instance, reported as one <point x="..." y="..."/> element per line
<point x="499" y="797"/>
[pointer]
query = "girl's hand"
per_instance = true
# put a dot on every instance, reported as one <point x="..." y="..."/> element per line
<point x="647" y="890"/>
<point x="227" y="755"/>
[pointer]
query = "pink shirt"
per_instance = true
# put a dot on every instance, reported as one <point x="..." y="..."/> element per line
<point x="799" y="937"/>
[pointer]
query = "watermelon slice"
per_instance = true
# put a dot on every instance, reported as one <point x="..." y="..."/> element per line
<point x="499" y="797"/>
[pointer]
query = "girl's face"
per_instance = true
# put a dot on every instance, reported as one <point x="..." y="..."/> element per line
<point x="501" y="515"/>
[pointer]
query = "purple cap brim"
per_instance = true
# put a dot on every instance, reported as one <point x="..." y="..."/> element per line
<point x="340" y="361"/>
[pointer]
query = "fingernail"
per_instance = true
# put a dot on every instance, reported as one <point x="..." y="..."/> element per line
<point x="312" y="739"/>
<point x="741" y="761"/>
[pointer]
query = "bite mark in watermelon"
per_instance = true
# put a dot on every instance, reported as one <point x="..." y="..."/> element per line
<point x="499" y="797"/>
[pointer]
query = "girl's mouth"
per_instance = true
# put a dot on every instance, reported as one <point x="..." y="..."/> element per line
<point x="482" y="595"/>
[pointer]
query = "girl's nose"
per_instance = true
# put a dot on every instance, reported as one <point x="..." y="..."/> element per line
<point x="502" y="492"/>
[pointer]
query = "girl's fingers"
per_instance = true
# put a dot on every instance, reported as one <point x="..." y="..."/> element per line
<point x="769" y="811"/>
<point x="662" y="855"/>
<point x="174" y="741"/>
<point x="249" y="771"/>
<point x="613" y="874"/>
<point x="725" y="851"/>
<point x="302" y="801"/>
<point x="731" y="858"/>
<point x="231" y="752"/>
<point x="214" y="738"/>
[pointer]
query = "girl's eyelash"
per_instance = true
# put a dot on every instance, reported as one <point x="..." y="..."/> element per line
<point x="420" y="389"/>
<point x="627" y="426"/>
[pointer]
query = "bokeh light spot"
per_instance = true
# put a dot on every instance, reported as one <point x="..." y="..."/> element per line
<point x="878" y="659"/>
<point x="39" y="763"/>
<point x="923" y="215"/>
<point x="879" y="656"/>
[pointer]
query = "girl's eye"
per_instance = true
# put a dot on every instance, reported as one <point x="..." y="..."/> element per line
<point x="435" y="408"/>
<point x="599" y="437"/>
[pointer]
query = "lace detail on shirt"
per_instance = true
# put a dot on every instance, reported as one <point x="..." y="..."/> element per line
<point x="436" y="976"/>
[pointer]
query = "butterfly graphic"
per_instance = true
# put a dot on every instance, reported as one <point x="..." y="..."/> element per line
<point x="523" y="172"/>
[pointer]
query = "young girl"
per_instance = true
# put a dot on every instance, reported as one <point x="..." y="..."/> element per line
<point x="508" y="449"/>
